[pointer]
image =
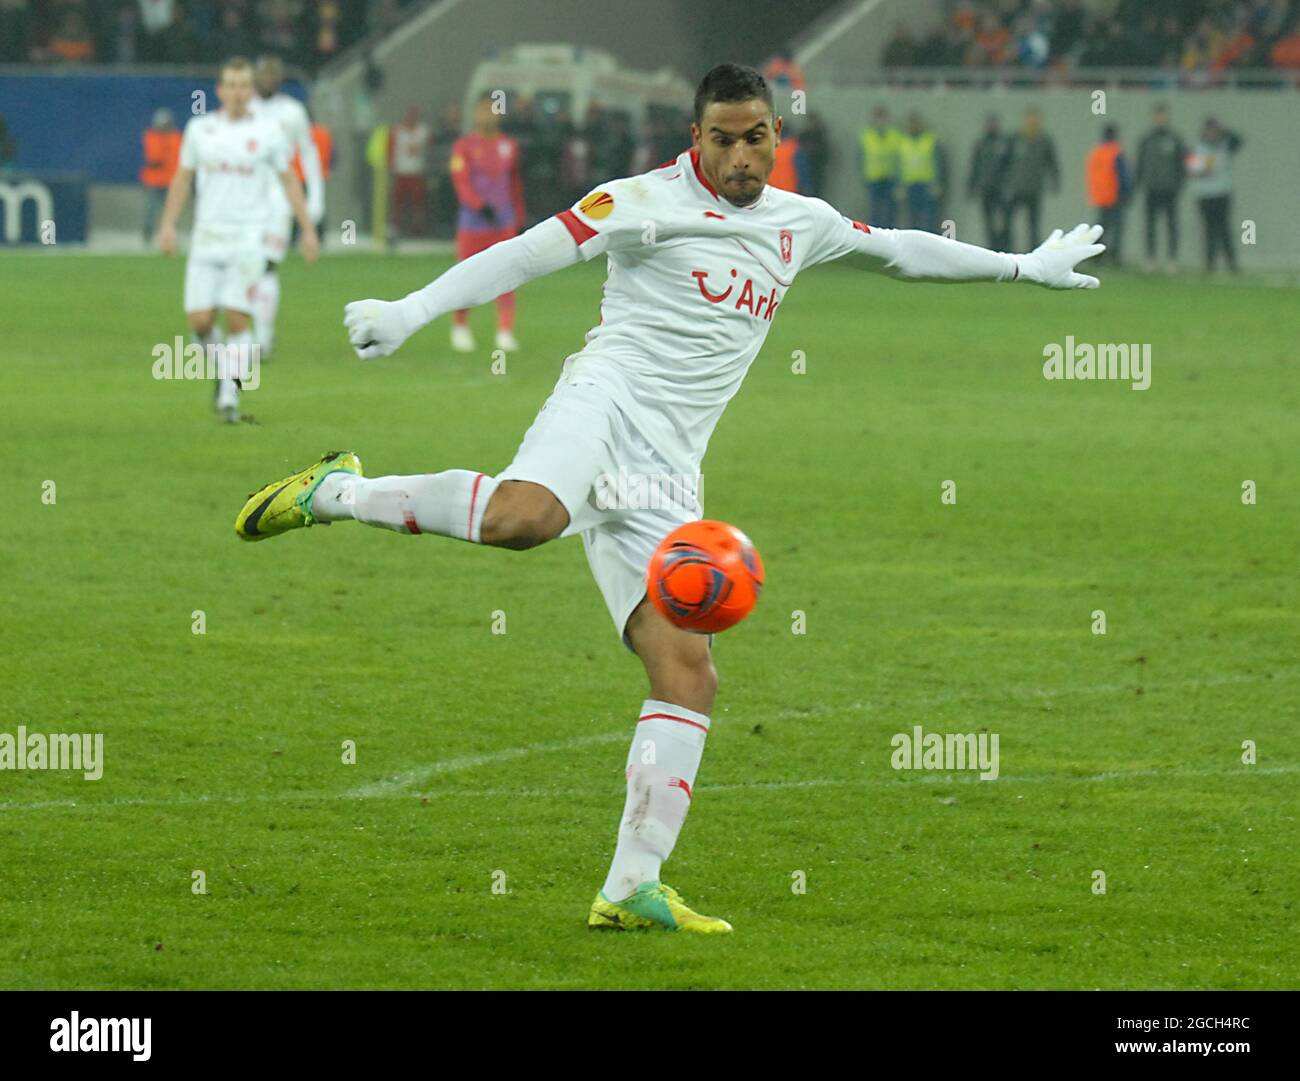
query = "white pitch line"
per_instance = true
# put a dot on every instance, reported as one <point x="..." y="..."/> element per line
<point x="906" y="701"/>
<point x="399" y="785"/>
<point x="926" y="778"/>
<point x="472" y="761"/>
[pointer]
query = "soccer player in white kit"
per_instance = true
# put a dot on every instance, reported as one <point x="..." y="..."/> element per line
<point x="700" y="253"/>
<point x="238" y="160"/>
<point x="291" y="116"/>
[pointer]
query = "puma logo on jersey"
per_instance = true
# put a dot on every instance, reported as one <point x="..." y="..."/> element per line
<point x="760" y="306"/>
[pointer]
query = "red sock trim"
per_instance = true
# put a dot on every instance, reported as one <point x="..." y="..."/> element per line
<point x="473" y="499"/>
<point x="671" y="717"/>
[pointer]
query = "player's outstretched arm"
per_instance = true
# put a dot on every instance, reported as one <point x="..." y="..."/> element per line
<point x="377" y="328"/>
<point x="920" y="256"/>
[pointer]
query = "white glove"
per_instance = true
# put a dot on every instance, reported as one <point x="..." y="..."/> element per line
<point x="376" y="328"/>
<point x="1052" y="263"/>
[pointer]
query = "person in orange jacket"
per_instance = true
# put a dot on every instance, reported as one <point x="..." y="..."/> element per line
<point x="790" y="169"/>
<point x="162" y="153"/>
<point x="1109" y="184"/>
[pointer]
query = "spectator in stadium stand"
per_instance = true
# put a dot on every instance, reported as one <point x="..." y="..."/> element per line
<point x="1211" y="171"/>
<point x="1109" y="184"/>
<point x="993" y="41"/>
<point x="923" y="172"/>
<point x="1031" y="169"/>
<point x="880" y="168"/>
<point x="986" y="182"/>
<point x="817" y="151"/>
<point x="1161" y="173"/>
<point x="72" y="41"/>
<point x="407" y="154"/>
<point x="1285" y="52"/>
<point x="161" y="144"/>
<point x="1031" y="47"/>
<point x="328" y="30"/>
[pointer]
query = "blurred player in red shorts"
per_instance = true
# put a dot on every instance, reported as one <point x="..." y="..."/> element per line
<point x="485" y="172"/>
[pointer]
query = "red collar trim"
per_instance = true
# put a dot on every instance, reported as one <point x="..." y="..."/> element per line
<point x="695" y="164"/>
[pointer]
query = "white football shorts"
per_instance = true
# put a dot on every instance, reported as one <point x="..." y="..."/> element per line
<point x="620" y="494"/>
<point x="222" y="272"/>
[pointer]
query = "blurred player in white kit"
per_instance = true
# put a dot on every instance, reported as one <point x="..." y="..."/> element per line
<point x="290" y="115"/>
<point x="238" y="159"/>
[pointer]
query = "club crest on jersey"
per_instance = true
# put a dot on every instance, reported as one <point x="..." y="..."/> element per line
<point x="597" y="205"/>
<point x="252" y="146"/>
<point x="760" y="306"/>
<point x="787" y="245"/>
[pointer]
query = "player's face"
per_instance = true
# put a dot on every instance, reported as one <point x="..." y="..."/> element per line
<point x="235" y="90"/>
<point x="737" y="144"/>
<point x="268" y="79"/>
<point x="485" y="120"/>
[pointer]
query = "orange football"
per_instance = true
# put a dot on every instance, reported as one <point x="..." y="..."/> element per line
<point x="705" y="576"/>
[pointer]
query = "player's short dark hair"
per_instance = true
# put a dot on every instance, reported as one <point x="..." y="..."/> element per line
<point x="731" y="82"/>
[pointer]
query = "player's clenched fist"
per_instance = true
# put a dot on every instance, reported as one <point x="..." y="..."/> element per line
<point x="375" y="327"/>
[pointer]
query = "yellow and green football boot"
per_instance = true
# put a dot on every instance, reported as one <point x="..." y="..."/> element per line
<point x="285" y="504"/>
<point x="654" y="906"/>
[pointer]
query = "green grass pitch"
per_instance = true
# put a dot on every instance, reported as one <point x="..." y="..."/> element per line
<point x="486" y="758"/>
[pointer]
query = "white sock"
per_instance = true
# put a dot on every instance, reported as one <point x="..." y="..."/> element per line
<point x="214" y="347"/>
<point x="266" y="303"/>
<point x="239" y="355"/>
<point x="450" y="503"/>
<point x="661" y="768"/>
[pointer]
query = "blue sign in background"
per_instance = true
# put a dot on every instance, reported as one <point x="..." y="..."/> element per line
<point x="91" y="123"/>
<point x="68" y="194"/>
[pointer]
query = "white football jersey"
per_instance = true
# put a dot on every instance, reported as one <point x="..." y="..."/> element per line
<point x="693" y="285"/>
<point x="290" y="116"/>
<point x="237" y="165"/>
